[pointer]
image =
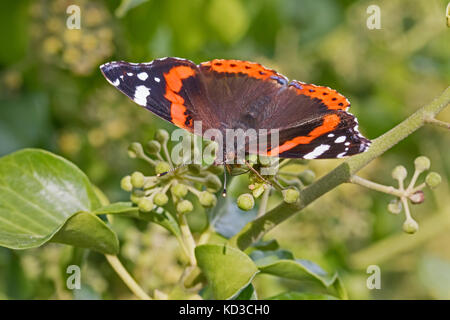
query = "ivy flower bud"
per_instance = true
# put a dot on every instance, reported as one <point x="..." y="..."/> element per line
<point x="433" y="179"/>
<point x="213" y="182"/>
<point x="207" y="199"/>
<point x="290" y="195"/>
<point x="246" y="201"/>
<point x="259" y="190"/>
<point x="410" y="226"/>
<point x="135" y="150"/>
<point x="422" y="163"/>
<point x="161" y="167"/>
<point x="179" y="190"/>
<point x="395" y="206"/>
<point x="307" y="176"/>
<point x="145" y="205"/>
<point x="137" y="179"/>
<point x="417" y="197"/>
<point x="184" y="206"/>
<point x="162" y="136"/>
<point x="153" y="147"/>
<point x="399" y="173"/>
<point x="160" y="199"/>
<point x="126" y="184"/>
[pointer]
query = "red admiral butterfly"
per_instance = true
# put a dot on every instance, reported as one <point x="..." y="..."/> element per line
<point x="229" y="94"/>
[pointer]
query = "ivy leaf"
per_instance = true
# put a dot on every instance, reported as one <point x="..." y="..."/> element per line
<point x="86" y="230"/>
<point x="283" y="264"/>
<point x="39" y="192"/>
<point x="229" y="271"/>
<point x="248" y="293"/>
<point x="159" y="215"/>
<point x="227" y="219"/>
<point x="292" y="295"/>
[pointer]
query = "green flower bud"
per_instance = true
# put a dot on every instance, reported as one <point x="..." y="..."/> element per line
<point x="422" y="163"/>
<point x="433" y="179"/>
<point x="213" y="182"/>
<point x="153" y="147"/>
<point x="135" y="150"/>
<point x="253" y="158"/>
<point x="125" y="184"/>
<point x="137" y="179"/>
<point x="145" y="205"/>
<point x="184" y="206"/>
<point x="418" y="197"/>
<point x="179" y="190"/>
<point x="290" y="195"/>
<point x="207" y="199"/>
<point x="258" y="191"/>
<point x="162" y="136"/>
<point x="194" y="168"/>
<point x="399" y="173"/>
<point x="307" y="176"/>
<point x="395" y="206"/>
<point x="162" y="167"/>
<point x="246" y="201"/>
<point x="265" y="160"/>
<point x="410" y="226"/>
<point x="135" y="199"/>
<point x="160" y="199"/>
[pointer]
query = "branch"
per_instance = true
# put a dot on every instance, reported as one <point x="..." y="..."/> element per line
<point x="256" y="229"/>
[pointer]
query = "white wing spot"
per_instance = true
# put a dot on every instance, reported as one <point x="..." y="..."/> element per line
<point x="347" y="143"/>
<point x="317" y="151"/>
<point x="340" y="155"/>
<point x="129" y="74"/>
<point x="157" y="79"/>
<point x="116" y="82"/>
<point x="331" y="135"/>
<point x="340" y="139"/>
<point x="143" y="76"/>
<point x="141" y="94"/>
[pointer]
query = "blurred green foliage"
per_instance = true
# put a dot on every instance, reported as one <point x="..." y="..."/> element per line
<point x="53" y="96"/>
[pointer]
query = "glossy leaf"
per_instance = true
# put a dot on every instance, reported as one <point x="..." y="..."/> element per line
<point x="283" y="264"/>
<point x="86" y="230"/>
<point x="39" y="192"/>
<point x="159" y="215"/>
<point x="228" y="270"/>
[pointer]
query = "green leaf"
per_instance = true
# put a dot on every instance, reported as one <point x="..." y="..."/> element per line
<point x="248" y="293"/>
<point x="228" y="270"/>
<point x="227" y="219"/>
<point x="283" y="264"/>
<point x="266" y="245"/>
<point x="39" y="192"/>
<point x="86" y="230"/>
<point x="302" y="296"/>
<point x="159" y="215"/>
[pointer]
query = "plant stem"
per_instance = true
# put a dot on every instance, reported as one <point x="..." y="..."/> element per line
<point x="188" y="238"/>
<point x="376" y="186"/>
<point x="255" y="230"/>
<point x="438" y="123"/>
<point x="126" y="277"/>
<point x="263" y="205"/>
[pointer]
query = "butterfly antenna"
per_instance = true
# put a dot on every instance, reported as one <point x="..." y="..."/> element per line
<point x="224" y="192"/>
<point x="171" y="170"/>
